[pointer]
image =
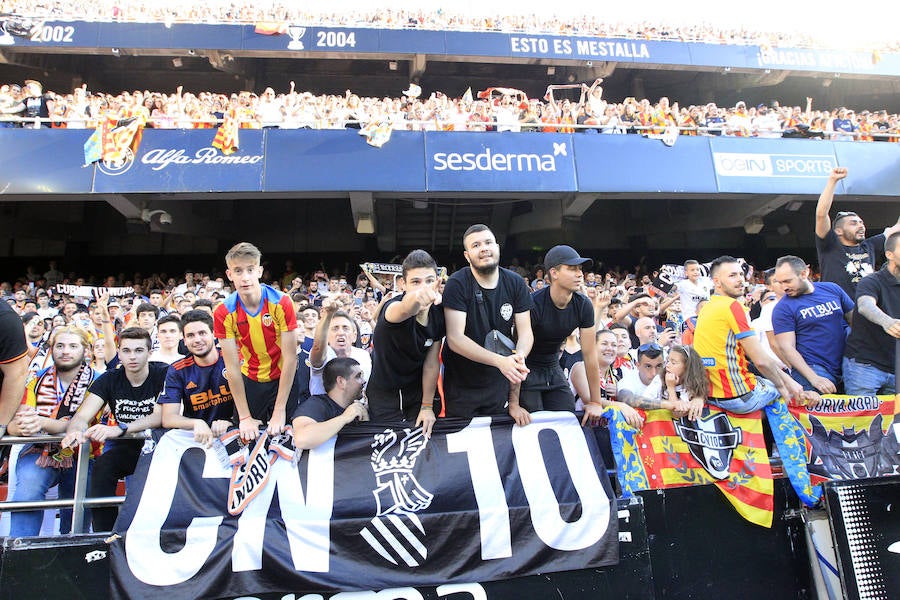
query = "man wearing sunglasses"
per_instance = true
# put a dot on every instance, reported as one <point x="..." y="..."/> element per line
<point x="644" y="381"/>
<point x="844" y="252"/>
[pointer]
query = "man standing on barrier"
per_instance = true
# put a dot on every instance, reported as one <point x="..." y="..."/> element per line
<point x="196" y="396"/>
<point x="257" y="330"/>
<point x="407" y="338"/>
<point x="130" y="393"/>
<point x="483" y="305"/>
<point x="51" y="398"/>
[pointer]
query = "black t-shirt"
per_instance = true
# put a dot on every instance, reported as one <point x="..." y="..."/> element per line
<point x="303" y="375"/>
<point x="12" y="337"/>
<point x="501" y="304"/>
<point x="846" y="265"/>
<point x="868" y="343"/>
<point x="400" y="348"/>
<point x="319" y="408"/>
<point x="127" y="402"/>
<point x="552" y="325"/>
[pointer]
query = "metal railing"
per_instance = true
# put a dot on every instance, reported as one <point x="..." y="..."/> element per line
<point x="622" y="128"/>
<point x="79" y="502"/>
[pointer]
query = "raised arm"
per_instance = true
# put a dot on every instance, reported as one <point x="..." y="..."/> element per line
<point x="826" y="198"/>
<point x="109" y="331"/>
<point x="320" y="338"/>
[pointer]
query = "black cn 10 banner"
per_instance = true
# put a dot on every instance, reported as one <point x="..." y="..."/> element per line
<point x="374" y="508"/>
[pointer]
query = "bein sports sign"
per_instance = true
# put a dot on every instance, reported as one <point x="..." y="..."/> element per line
<point x="736" y="164"/>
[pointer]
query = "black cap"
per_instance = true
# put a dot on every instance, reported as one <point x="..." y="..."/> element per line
<point x="565" y="255"/>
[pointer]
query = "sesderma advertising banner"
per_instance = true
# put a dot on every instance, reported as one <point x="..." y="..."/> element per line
<point x="499" y="162"/>
<point x="373" y="508"/>
<point x="757" y="166"/>
<point x="170" y="160"/>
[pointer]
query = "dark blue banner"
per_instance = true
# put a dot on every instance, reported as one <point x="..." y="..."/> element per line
<point x="342" y="160"/>
<point x="633" y="163"/>
<point x="50" y="161"/>
<point x="874" y="167"/>
<point x="762" y="166"/>
<point x="373" y="508"/>
<point x="300" y="38"/>
<point x="171" y="160"/>
<point x="499" y="162"/>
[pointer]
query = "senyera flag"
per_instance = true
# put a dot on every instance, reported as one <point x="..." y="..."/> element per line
<point x="374" y="508"/>
<point x="719" y="448"/>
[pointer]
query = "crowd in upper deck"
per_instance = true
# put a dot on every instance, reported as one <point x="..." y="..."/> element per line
<point x="582" y="109"/>
<point x="620" y="25"/>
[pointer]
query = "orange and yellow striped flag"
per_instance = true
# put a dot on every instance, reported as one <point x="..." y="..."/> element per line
<point x="720" y="448"/>
<point x="226" y="138"/>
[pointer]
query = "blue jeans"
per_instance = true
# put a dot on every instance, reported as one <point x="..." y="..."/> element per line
<point x="762" y="395"/>
<point x="32" y="483"/>
<point x="818" y="370"/>
<point x="862" y="379"/>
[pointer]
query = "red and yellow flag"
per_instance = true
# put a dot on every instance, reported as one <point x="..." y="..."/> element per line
<point x="226" y="138"/>
<point x="270" y="27"/>
<point x="720" y="448"/>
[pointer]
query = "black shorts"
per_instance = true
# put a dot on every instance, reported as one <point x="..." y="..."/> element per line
<point x="546" y="388"/>
<point x="397" y="405"/>
<point x="261" y="398"/>
<point x="492" y="399"/>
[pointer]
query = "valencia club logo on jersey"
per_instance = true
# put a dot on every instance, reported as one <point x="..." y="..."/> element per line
<point x="267" y="320"/>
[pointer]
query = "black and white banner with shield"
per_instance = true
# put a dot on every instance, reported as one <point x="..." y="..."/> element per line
<point x="375" y="508"/>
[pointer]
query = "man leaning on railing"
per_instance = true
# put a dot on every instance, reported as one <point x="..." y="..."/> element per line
<point x="52" y="397"/>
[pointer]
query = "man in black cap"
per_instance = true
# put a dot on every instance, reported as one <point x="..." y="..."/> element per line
<point x="558" y="311"/>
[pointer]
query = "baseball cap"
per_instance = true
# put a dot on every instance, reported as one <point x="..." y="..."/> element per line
<point x="565" y="255"/>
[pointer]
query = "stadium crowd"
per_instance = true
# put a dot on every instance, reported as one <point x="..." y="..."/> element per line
<point x="213" y="11"/>
<point x="144" y="352"/>
<point x="565" y="108"/>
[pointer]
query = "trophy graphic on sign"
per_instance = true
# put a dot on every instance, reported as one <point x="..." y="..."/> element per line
<point x="296" y="32"/>
<point x="396" y="533"/>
